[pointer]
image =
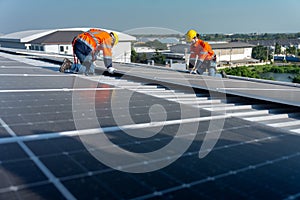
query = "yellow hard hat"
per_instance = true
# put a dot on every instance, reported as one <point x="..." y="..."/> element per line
<point x="115" y="38"/>
<point x="190" y="35"/>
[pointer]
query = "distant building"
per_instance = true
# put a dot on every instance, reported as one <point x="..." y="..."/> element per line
<point x="169" y="41"/>
<point x="144" y="49"/>
<point x="143" y="40"/>
<point x="59" y="41"/>
<point x="282" y="42"/>
<point x="233" y="52"/>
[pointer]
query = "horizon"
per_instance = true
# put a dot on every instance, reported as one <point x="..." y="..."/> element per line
<point x="125" y="31"/>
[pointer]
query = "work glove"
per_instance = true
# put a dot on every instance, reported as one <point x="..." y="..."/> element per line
<point x="190" y="66"/>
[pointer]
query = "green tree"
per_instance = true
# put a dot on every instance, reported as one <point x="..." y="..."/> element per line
<point x="134" y="56"/>
<point x="277" y="49"/>
<point x="137" y="57"/>
<point x="142" y="58"/>
<point x="258" y="71"/>
<point x="158" y="57"/>
<point x="296" y="79"/>
<point x="291" y="50"/>
<point x="277" y="69"/>
<point x="260" y="52"/>
<point x="156" y="45"/>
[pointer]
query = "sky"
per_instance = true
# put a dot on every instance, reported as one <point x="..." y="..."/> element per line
<point x="211" y="16"/>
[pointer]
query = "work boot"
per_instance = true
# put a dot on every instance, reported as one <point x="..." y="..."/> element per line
<point x="193" y="72"/>
<point x="66" y="65"/>
<point x="111" y="70"/>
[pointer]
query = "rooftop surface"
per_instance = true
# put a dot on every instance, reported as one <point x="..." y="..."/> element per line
<point x="144" y="133"/>
<point x="41" y="35"/>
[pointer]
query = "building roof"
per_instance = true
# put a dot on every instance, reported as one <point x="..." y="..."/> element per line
<point x="169" y="40"/>
<point x="32" y="35"/>
<point x="26" y="36"/>
<point x="283" y="42"/>
<point x="231" y="45"/>
<point x="144" y="40"/>
<point x="57" y="37"/>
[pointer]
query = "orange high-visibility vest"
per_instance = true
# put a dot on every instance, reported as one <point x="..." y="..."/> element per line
<point x="201" y="49"/>
<point x="98" y="40"/>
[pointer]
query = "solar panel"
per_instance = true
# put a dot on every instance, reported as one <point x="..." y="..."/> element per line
<point x="64" y="140"/>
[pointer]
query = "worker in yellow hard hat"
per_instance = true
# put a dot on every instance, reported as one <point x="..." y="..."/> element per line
<point x="86" y="46"/>
<point x="202" y="56"/>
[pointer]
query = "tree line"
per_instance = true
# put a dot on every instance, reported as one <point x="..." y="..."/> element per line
<point x="259" y="71"/>
<point x="157" y="57"/>
<point x="249" y="37"/>
<point x="264" y="53"/>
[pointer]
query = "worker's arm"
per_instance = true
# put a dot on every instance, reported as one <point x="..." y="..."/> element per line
<point x="193" y="58"/>
<point x="107" y="56"/>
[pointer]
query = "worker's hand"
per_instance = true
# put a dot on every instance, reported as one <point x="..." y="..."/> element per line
<point x="214" y="58"/>
<point x="94" y="57"/>
<point x="98" y="48"/>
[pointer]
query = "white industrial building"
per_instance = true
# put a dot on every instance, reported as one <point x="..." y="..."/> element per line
<point x="233" y="52"/>
<point x="59" y="41"/>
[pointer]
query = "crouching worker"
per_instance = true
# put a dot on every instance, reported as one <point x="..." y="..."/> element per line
<point x="86" y="46"/>
<point x="202" y="56"/>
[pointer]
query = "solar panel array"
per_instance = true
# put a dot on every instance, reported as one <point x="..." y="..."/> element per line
<point x="53" y="127"/>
